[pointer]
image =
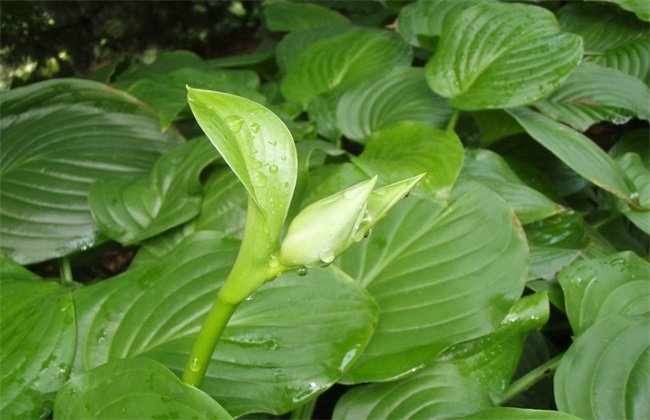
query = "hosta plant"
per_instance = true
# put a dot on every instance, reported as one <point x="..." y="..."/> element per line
<point x="437" y="209"/>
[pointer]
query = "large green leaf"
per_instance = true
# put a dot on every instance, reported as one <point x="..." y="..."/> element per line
<point x="605" y="374"/>
<point x="400" y="94"/>
<point x="492" y="171"/>
<point x="133" y="388"/>
<point x="616" y="40"/>
<point x="37" y="332"/>
<point x="9" y="269"/>
<point x="58" y="137"/>
<point x="495" y="125"/>
<point x="131" y="211"/>
<point x="641" y="8"/>
<point x="639" y="173"/>
<point x="507" y="413"/>
<point x="341" y="61"/>
<point x="289" y="342"/>
<point x="257" y="146"/>
<point x="497" y="55"/>
<point x="165" y="63"/>
<point x="590" y="95"/>
<point x="285" y="16"/>
<point x="406" y="149"/>
<point x="441" y="275"/>
<point x="469" y="377"/>
<point x="579" y="153"/>
<point x="596" y="289"/>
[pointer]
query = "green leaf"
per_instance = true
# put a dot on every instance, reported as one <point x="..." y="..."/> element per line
<point x="612" y="39"/>
<point x="491" y="170"/>
<point x="466" y="379"/>
<point x="605" y="373"/>
<point x="11" y="270"/>
<point x="495" y="125"/>
<point x="285" y="16"/>
<point x="505" y="413"/>
<point x="406" y="149"/>
<point x="257" y="146"/>
<point x="342" y="61"/>
<point x="286" y="344"/>
<point x="400" y="94"/>
<point x="640" y="8"/>
<point x="579" y="153"/>
<point x="133" y="388"/>
<point x="596" y="289"/>
<point x="131" y="211"/>
<point x="420" y="262"/>
<point x="37" y="331"/>
<point x="497" y="55"/>
<point x="639" y="173"/>
<point x="264" y="51"/>
<point x="59" y="137"/>
<point x="165" y="63"/>
<point x="588" y="96"/>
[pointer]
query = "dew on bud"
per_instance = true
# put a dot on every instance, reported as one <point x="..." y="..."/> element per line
<point x="274" y="169"/>
<point x="235" y="123"/>
<point x="327" y="255"/>
<point x="302" y="271"/>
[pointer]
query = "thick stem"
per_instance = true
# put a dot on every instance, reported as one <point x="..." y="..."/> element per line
<point x="531" y="378"/>
<point x="65" y="271"/>
<point x="250" y="271"/>
<point x="451" y="125"/>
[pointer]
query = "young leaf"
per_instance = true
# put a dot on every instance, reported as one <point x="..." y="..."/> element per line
<point x="400" y="94"/>
<point x="588" y="96"/>
<point x="579" y="153"/>
<point x="133" y="388"/>
<point x="596" y="289"/>
<point x="406" y="149"/>
<point x="497" y="55"/>
<point x="341" y="61"/>
<point x="286" y="344"/>
<point x="424" y="259"/>
<point x="37" y="331"/>
<point x="605" y="374"/>
<point x="131" y="211"/>
<point x="58" y="137"/>
<point x="289" y="16"/>
<point x="257" y="146"/>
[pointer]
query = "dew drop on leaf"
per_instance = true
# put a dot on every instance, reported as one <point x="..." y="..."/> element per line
<point x="327" y="255"/>
<point x="195" y="365"/>
<point x="259" y="179"/>
<point x="255" y="127"/>
<point x="274" y="169"/>
<point x="302" y="271"/>
<point x="235" y="123"/>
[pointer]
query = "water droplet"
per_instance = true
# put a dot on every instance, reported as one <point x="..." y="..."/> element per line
<point x="195" y="365"/>
<point x="165" y="399"/>
<point x="367" y="234"/>
<point x="283" y="157"/>
<point x="255" y="127"/>
<point x="235" y="123"/>
<point x="101" y="335"/>
<point x="251" y="297"/>
<point x="327" y="255"/>
<point x="302" y="271"/>
<point x="259" y="179"/>
<point x="273" y="169"/>
<point x="255" y="111"/>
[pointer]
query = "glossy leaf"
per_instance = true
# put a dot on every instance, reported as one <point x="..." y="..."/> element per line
<point x="12" y="270"/>
<point x="289" y="342"/>
<point x="579" y="153"/>
<point x="424" y="259"/>
<point x="606" y="372"/>
<point x="491" y="170"/>
<point x="505" y="413"/>
<point x="407" y="149"/>
<point x="37" y="331"/>
<point x="131" y="211"/>
<point x="341" y="61"/>
<point x="497" y="55"/>
<point x="616" y="40"/>
<point x="257" y="146"/>
<point x="284" y="16"/>
<point x="596" y="289"/>
<point x="58" y="137"/>
<point x="133" y="388"/>
<point x="588" y="96"/>
<point x="639" y="173"/>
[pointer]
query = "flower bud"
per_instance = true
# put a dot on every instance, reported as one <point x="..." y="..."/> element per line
<point x="322" y="230"/>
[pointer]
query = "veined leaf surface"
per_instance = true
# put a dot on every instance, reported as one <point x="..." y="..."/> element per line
<point x="58" y="137"/>
<point x="497" y="55"/>
<point x="290" y="16"/>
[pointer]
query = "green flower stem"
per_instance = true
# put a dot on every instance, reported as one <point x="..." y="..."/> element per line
<point x="531" y="378"/>
<point x="451" y="125"/>
<point x="65" y="271"/>
<point x="250" y="271"/>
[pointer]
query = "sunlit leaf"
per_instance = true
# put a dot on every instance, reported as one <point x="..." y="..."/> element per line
<point x="284" y="16"/>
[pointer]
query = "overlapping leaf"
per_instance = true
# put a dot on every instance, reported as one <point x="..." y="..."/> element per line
<point x="616" y="40"/>
<point x="284" y="16"/>
<point x="58" y="137"/>
<point x="400" y="94"/>
<point x="596" y="289"/>
<point x="497" y="55"/>
<point x="505" y="413"/>
<point x="579" y="153"/>
<point x="165" y="63"/>
<point x="133" y="388"/>
<point x="421" y="262"/>
<point x="639" y="173"/>
<point x="640" y="8"/>
<point x="588" y="96"/>
<point x="288" y="343"/>
<point x="606" y="371"/>
<point x="406" y="149"/>
<point x="37" y="332"/>
<point x="131" y="211"/>
<point x="341" y="61"/>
